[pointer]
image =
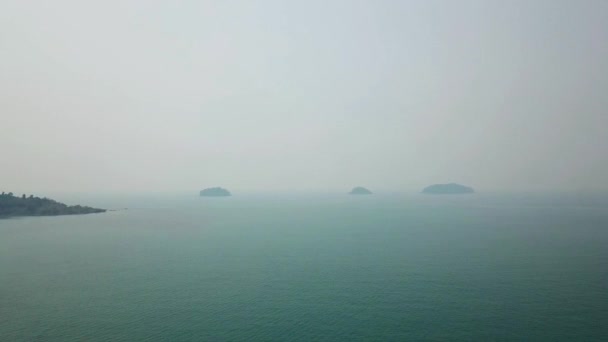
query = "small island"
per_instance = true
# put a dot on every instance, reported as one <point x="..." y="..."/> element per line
<point x="447" y="189"/>
<point x="215" y="192"/>
<point x="11" y="205"/>
<point x="359" y="190"/>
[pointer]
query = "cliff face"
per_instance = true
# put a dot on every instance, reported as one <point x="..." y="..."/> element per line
<point x="11" y="205"/>
<point x="215" y="192"/>
<point x="446" y="189"/>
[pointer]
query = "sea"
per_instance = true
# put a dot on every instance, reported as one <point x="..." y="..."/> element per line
<point x="309" y="267"/>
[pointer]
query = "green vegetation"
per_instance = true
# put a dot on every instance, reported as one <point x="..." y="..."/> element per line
<point x="447" y="189"/>
<point x="215" y="192"/>
<point x="11" y="205"/>
<point x="359" y="190"/>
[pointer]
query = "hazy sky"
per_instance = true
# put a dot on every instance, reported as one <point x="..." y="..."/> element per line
<point x="304" y="95"/>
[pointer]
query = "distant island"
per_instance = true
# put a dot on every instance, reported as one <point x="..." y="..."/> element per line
<point x="215" y="192"/>
<point x="447" y="189"/>
<point x="11" y="205"/>
<point x="359" y="190"/>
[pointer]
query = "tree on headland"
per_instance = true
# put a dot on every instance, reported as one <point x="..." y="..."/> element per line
<point x="36" y="206"/>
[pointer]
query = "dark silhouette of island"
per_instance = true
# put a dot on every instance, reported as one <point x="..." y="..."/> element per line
<point x="11" y="205"/>
<point x="447" y="189"/>
<point x="215" y="192"/>
<point x="359" y="190"/>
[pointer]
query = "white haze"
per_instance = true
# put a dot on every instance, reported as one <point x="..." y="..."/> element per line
<point x="120" y="96"/>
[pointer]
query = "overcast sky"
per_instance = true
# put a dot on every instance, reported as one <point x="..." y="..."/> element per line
<point x="304" y="95"/>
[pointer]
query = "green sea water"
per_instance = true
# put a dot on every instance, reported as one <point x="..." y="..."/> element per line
<point x="310" y="268"/>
